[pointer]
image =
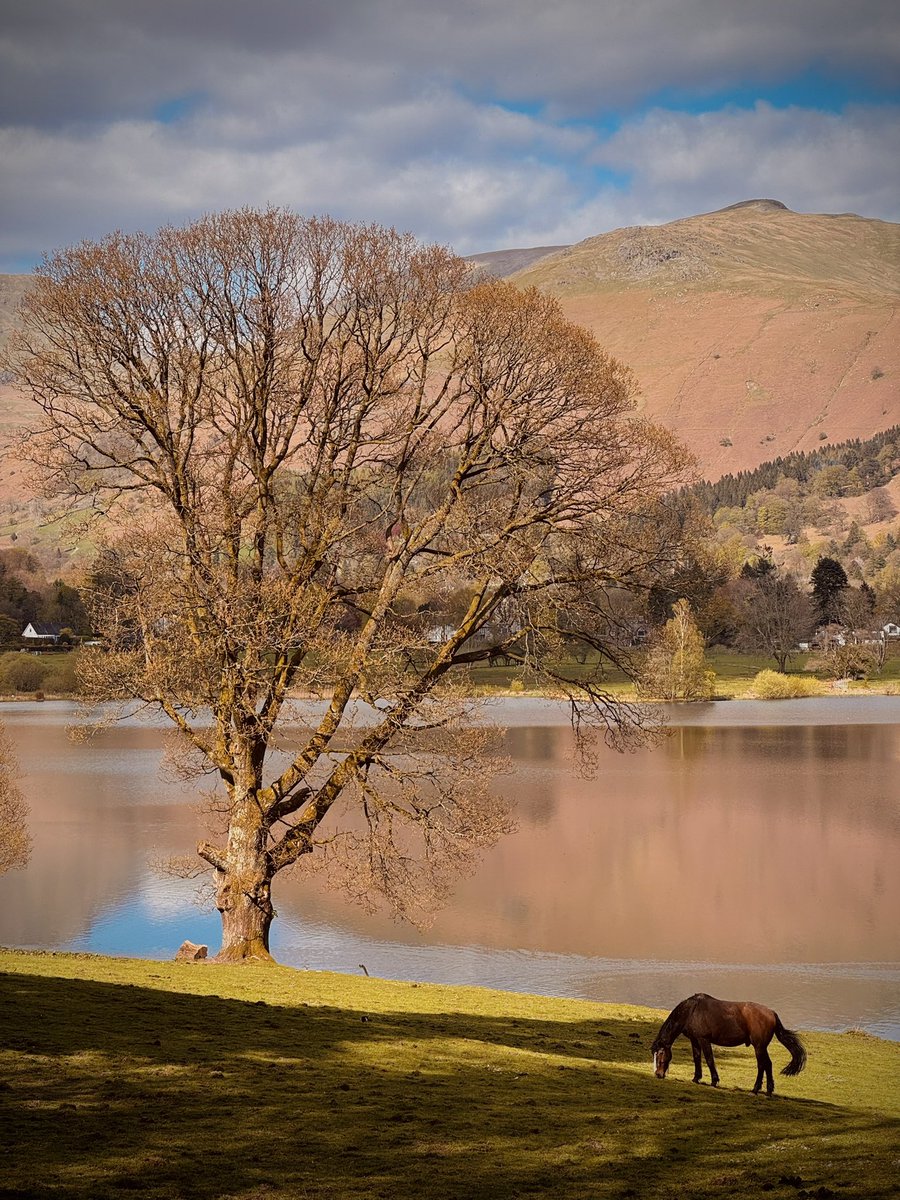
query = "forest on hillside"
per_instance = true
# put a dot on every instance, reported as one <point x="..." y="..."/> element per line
<point x="838" y="501"/>
<point x="27" y="594"/>
<point x="788" y="493"/>
<point x="775" y="554"/>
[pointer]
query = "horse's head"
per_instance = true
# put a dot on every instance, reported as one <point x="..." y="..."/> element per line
<point x="662" y="1056"/>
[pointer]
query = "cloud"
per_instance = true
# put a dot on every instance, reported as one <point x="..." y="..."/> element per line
<point x="481" y="123"/>
<point x="812" y="161"/>
<point x="440" y="167"/>
<point x="87" y="59"/>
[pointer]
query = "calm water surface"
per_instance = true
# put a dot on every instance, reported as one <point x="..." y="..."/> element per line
<point x="742" y="858"/>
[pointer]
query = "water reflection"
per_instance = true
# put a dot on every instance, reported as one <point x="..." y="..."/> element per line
<point x="774" y="847"/>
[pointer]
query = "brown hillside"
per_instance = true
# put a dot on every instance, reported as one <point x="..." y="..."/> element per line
<point x="12" y="405"/>
<point x="753" y="331"/>
<point x="12" y="289"/>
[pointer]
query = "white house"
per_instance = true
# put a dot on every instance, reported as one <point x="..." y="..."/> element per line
<point x="41" y="634"/>
<point x="891" y="630"/>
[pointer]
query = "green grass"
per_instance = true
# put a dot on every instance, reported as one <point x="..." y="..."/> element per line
<point x="171" y="1081"/>
<point x="735" y="676"/>
<point x="890" y="672"/>
<point x="51" y="672"/>
<point x="735" y="672"/>
<point x="500" y="679"/>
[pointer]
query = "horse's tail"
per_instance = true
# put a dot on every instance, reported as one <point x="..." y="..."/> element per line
<point x="791" y="1042"/>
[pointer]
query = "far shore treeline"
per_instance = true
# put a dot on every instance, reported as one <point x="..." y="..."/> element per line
<point x="786" y="523"/>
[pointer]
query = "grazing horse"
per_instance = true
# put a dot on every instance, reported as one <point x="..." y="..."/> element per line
<point x="705" y="1021"/>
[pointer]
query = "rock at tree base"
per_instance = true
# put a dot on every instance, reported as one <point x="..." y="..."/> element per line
<point x="189" y="952"/>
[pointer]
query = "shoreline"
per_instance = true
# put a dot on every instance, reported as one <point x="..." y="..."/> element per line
<point x="513" y="995"/>
<point x="835" y="689"/>
<point x="479" y="994"/>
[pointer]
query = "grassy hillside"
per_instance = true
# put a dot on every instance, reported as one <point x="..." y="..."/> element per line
<point x="168" y="1080"/>
<point x="758" y="247"/>
<point x="752" y="331"/>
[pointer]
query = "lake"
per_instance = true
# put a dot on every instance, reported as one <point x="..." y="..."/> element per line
<point x="743" y="857"/>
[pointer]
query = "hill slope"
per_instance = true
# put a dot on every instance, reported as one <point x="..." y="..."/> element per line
<point x="238" y="1083"/>
<point x="753" y="330"/>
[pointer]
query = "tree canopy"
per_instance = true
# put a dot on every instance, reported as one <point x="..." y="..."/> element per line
<point x="15" y="840"/>
<point x="775" y="614"/>
<point x="675" y="667"/>
<point x="340" y="467"/>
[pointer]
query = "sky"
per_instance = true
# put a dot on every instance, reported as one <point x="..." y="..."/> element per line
<point x="481" y="124"/>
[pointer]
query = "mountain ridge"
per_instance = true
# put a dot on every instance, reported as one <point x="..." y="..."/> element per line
<point x="752" y="330"/>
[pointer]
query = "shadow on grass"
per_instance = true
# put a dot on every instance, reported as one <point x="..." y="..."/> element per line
<point x="111" y="1090"/>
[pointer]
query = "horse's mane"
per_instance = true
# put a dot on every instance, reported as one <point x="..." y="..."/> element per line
<point x="675" y="1022"/>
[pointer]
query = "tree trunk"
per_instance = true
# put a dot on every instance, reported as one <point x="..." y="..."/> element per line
<point x="247" y="912"/>
<point x="244" y="887"/>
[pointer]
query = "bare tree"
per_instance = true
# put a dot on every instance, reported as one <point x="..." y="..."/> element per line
<point x="775" y="614"/>
<point x="858" y="608"/>
<point x="15" y="841"/>
<point x="879" y="505"/>
<point x="322" y="436"/>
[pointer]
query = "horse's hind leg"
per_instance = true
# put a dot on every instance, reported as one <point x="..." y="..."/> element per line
<point x="698" y="1065"/>
<point x="710" y="1062"/>
<point x="770" y="1079"/>
<point x="763" y="1066"/>
<point x="760" y="1067"/>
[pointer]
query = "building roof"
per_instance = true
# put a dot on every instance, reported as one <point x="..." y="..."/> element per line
<point x="42" y="629"/>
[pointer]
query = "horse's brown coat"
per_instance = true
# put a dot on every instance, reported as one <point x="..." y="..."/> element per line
<point x="706" y="1021"/>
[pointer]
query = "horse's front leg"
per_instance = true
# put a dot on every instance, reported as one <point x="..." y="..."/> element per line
<point x="698" y="1065"/>
<point x="710" y="1062"/>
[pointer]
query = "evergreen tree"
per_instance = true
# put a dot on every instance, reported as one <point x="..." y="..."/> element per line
<point x="868" y="593"/>
<point x="829" y="582"/>
<point x="759" y="566"/>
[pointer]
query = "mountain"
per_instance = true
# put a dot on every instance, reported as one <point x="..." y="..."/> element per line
<point x="753" y="331"/>
<point x="501" y="263"/>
